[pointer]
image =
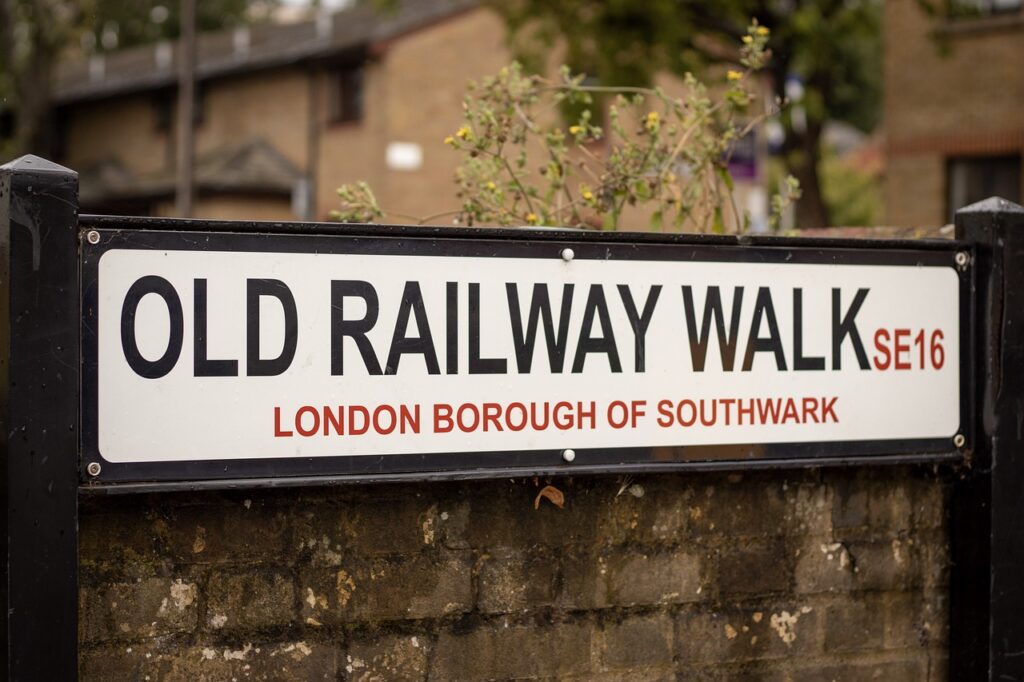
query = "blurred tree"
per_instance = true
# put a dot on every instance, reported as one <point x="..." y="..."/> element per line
<point x="852" y="193"/>
<point x="831" y="47"/>
<point x="35" y="33"/>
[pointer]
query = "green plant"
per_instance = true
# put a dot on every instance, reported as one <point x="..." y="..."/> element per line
<point x="667" y="155"/>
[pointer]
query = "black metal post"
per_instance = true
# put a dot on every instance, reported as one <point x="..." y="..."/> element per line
<point x="39" y="406"/>
<point x="987" y="529"/>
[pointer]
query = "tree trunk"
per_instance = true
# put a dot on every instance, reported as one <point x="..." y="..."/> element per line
<point x="804" y="162"/>
<point x="33" y="131"/>
<point x="32" y="82"/>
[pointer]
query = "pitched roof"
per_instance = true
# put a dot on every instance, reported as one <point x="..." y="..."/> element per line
<point x="253" y="166"/>
<point x="247" y="49"/>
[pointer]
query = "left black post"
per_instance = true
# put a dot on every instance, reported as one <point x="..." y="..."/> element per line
<point x="39" y="407"/>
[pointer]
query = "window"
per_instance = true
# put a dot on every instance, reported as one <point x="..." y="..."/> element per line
<point x="971" y="179"/>
<point x="165" y="106"/>
<point x="345" y="101"/>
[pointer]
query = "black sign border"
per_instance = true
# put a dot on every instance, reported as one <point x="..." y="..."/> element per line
<point x="113" y="233"/>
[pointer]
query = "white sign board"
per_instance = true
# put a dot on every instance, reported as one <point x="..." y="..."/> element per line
<point x="229" y="354"/>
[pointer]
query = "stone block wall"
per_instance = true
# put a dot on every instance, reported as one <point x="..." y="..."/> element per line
<point x="800" y="575"/>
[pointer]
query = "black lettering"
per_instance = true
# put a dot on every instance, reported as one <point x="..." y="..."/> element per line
<point x="540" y="311"/>
<point x="451" y="361"/>
<point x="763" y="306"/>
<point x="255" y="366"/>
<point x="477" y="364"/>
<point x="354" y="329"/>
<point x="151" y="369"/>
<point x="596" y="304"/>
<point x="847" y="326"/>
<point x="402" y="343"/>
<point x="799" y="361"/>
<point x="202" y="366"/>
<point x="639" y="322"/>
<point x="713" y="308"/>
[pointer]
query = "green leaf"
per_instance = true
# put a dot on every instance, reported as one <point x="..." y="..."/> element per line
<point x="725" y="177"/>
<point x="718" y="226"/>
<point x="656" y="221"/>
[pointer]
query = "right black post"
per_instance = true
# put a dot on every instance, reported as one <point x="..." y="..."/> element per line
<point x="987" y="503"/>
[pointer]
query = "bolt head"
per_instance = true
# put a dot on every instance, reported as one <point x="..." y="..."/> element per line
<point x="959" y="440"/>
<point x="93" y="237"/>
<point x="568" y="455"/>
<point x="568" y="254"/>
<point x="94" y="468"/>
<point x="962" y="258"/>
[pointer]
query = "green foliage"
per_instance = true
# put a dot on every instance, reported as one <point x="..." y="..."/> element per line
<point x="146" y="21"/>
<point x="833" y="47"/>
<point x="34" y="34"/>
<point x="854" y="196"/>
<point x="522" y="167"/>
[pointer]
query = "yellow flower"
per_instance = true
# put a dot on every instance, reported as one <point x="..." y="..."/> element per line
<point x="747" y="40"/>
<point x="575" y="130"/>
<point x="449" y="140"/>
<point x="652" y="117"/>
<point x="532" y="218"/>
<point x="734" y="75"/>
<point x="464" y="133"/>
<point x="588" y="195"/>
<point x="761" y="31"/>
<point x="491" y="186"/>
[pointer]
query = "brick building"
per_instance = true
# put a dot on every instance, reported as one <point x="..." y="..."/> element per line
<point x="954" y="92"/>
<point x="289" y="112"/>
<point x="286" y="113"/>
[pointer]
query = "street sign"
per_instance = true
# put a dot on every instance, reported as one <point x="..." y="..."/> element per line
<point x="225" y="355"/>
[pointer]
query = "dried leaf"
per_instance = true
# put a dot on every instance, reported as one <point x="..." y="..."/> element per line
<point x="552" y="494"/>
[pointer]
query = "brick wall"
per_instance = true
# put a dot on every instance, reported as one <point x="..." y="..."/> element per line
<point x="950" y="89"/>
<point x="812" y="575"/>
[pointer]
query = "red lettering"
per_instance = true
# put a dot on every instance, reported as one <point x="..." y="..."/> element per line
<point x="410" y="420"/>
<point x="392" y="419"/>
<point x="278" y="431"/>
<point x="740" y="411"/>
<point x="900" y="348"/>
<point x="727" y="404"/>
<point x="508" y="417"/>
<point x="810" y="406"/>
<point x="463" y="409"/>
<point x="307" y="409"/>
<point x="704" y="419"/>
<point x="491" y="413"/>
<point x="617" y="406"/>
<point x="664" y="413"/>
<point x="881" y="341"/>
<point x="638" y="408"/>
<point x="354" y="410"/>
<point x="443" y="418"/>
<point x="337" y="420"/>
<point x="562" y="416"/>
<point x="791" y="412"/>
<point x="589" y="413"/>
<point x="535" y="423"/>
<point x="828" y="408"/>
<point x="693" y="413"/>
<point x="768" y="410"/>
<point x="938" y="353"/>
